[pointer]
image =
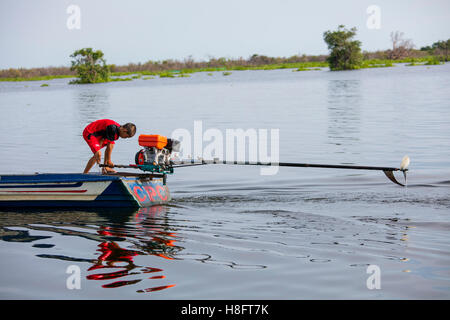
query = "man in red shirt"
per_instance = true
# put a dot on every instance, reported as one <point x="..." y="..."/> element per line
<point x="102" y="133"/>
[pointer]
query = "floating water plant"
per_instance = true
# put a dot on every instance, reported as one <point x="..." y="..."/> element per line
<point x="301" y="69"/>
<point x="120" y="79"/>
<point x="377" y="63"/>
<point x="166" y="75"/>
<point x="433" y="61"/>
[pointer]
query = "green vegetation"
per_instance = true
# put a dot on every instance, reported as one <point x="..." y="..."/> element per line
<point x="439" y="48"/>
<point x="306" y="69"/>
<point x="166" y="75"/>
<point x="89" y="66"/>
<point x="414" y="59"/>
<point x="377" y="63"/>
<point x="120" y="79"/>
<point x="298" y="66"/>
<point x="44" y="85"/>
<point x="345" y="53"/>
<point x="413" y="63"/>
<point x="37" y="78"/>
<point x="432" y="61"/>
<point x="301" y="69"/>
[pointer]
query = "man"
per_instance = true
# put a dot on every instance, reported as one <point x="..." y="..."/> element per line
<point x="101" y="133"/>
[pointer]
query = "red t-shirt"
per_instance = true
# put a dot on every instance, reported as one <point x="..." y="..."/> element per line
<point x="104" y="129"/>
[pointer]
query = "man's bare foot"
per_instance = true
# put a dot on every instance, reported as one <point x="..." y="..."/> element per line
<point x="107" y="170"/>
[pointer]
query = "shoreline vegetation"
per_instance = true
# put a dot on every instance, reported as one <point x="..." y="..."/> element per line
<point x="89" y="66"/>
<point x="177" y="69"/>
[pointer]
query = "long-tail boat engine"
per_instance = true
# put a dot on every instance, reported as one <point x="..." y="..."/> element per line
<point x="157" y="152"/>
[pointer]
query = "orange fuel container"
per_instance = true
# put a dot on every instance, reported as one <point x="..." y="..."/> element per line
<point x="152" y="140"/>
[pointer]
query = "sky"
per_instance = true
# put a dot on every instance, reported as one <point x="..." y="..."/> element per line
<point x="36" y="33"/>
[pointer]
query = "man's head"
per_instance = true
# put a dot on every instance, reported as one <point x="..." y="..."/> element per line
<point x="127" y="130"/>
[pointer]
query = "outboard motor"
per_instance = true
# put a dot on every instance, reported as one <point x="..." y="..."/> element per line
<point x="155" y="156"/>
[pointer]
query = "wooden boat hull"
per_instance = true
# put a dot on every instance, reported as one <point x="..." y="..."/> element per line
<point x="82" y="190"/>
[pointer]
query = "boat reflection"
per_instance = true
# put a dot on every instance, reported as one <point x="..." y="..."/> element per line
<point x="122" y="236"/>
<point x="154" y="239"/>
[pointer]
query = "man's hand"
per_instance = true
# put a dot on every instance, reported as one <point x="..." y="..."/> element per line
<point x="107" y="169"/>
<point x="109" y="163"/>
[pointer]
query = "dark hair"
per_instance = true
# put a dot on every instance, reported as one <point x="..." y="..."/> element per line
<point x="131" y="128"/>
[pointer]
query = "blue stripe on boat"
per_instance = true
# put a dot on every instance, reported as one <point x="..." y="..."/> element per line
<point x="56" y="178"/>
<point x="40" y="185"/>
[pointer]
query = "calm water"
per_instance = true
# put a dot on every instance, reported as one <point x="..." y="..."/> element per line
<point x="231" y="233"/>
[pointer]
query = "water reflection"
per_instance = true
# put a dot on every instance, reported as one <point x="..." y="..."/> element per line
<point x="122" y="236"/>
<point x="92" y="103"/>
<point x="150" y="237"/>
<point x="344" y="118"/>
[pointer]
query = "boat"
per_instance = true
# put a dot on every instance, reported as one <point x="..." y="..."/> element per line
<point x="83" y="190"/>
<point x="126" y="189"/>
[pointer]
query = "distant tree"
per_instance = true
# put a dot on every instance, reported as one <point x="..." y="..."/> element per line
<point x="90" y="66"/>
<point x="345" y="53"/>
<point x="441" y="48"/>
<point x="401" y="47"/>
<point x="259" y="60"/>
<point x="428" y="49"/>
